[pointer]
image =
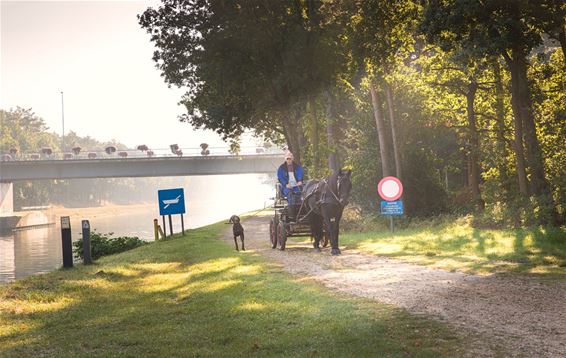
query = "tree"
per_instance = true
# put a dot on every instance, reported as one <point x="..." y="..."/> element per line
<point x="508" y="29"/>
<point x="379" y="35"/>
<point x="243" y="62"/>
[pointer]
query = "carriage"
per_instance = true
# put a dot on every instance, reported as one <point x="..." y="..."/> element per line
<point x="290" y="220"/>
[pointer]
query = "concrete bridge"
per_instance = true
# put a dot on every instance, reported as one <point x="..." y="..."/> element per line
<point x="11" y="171"/>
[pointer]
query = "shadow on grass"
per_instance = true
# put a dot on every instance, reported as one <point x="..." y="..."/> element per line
<point x="156" y="301"/>
<point x="523" y="250"/>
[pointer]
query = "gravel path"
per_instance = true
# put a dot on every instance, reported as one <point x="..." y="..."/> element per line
<point x="524" y="316"/>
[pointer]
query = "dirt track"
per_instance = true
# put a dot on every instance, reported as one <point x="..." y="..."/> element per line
<point x="524" y="316"/>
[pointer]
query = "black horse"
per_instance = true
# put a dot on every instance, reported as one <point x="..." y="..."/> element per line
<point x="324" y="200"/>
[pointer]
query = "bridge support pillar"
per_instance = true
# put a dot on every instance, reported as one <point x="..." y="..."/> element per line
<point x="6" y="199"/>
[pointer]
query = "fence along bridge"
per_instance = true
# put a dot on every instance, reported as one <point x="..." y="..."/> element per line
<point x="11" y="171"/>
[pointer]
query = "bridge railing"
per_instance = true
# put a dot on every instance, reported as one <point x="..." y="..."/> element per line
<point x="134" y="153"/>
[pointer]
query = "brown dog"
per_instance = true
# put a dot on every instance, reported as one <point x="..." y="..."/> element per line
<point x="238" y="230"/>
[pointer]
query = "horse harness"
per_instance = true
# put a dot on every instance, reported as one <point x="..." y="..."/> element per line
<point x="321" y="200"/>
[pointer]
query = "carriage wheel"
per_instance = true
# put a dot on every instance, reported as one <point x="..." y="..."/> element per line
<point x="273" y="233"/>
<point x="281" y="235"/>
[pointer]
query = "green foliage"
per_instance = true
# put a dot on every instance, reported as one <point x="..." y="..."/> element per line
<point x="23" y="130"/>
<point x="245" y="64"/>
<point x="105" y="244"/>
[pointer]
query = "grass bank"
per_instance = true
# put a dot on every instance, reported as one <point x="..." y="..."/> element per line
<point x="195" y="296"/>
<point x="458" y="246"/>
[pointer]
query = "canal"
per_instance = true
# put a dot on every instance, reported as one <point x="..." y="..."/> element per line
<point x="208" y="199"/>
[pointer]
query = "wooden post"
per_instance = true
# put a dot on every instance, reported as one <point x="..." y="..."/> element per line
<point x="87" y="259"/>
<point x="155" y="229"/>
<point x="66" y="241"/>
<point x="170" y="226"/>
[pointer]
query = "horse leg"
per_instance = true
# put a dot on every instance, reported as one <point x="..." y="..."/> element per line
<point x="315" y="231"/>
<point x="242" y="238"/>
<point x="331" y="219"/>
<point x="337" y="231"/>
<point x="319" y="232"/>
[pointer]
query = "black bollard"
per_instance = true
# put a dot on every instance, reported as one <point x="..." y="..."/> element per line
<point x="87" y="258"/>
<point x="66" y="241"/>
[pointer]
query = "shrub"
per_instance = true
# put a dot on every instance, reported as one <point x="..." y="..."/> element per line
<point x="104" y="244"/>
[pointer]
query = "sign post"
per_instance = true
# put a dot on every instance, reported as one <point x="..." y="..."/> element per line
<point x="171" y="202"/>
<point x="87" y="258"/>
<point x="66" y="241"/>
<point x="391" y="189"/>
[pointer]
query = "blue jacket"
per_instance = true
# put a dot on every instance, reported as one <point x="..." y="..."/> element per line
<point x="283" y="176"/>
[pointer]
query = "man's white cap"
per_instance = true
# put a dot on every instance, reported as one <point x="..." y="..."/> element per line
<point x="288" y="155"/>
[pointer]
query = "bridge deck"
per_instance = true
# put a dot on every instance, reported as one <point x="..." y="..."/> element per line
<point x="11" y="171"/>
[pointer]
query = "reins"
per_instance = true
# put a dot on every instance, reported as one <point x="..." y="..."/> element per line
<point x="330" y="189"/>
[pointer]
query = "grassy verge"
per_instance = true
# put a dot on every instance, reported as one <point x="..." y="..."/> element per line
<point x="196" y="296"/>
<point x="458" y="246"/>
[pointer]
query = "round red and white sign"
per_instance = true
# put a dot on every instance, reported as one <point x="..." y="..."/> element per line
<point x="390" y="188"/>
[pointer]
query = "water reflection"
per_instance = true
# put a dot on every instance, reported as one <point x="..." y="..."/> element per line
<point x="208" y="199"/>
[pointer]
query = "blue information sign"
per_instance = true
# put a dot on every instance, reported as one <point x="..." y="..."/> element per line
<point x="171" y="201"/>
<point x="392" y="207"/>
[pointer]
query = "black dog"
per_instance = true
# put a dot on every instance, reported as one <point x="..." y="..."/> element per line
<point x="238" y="230"/>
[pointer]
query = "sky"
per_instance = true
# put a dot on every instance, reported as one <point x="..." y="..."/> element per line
<point x="96" y="53"/>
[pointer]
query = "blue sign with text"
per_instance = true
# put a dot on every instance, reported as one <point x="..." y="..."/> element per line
<point x="171" y="201"/>
<point x="392" y="207"/>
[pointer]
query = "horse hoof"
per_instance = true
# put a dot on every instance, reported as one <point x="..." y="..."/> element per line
<point x="317" y="249"/>
<point x="336" y="252"/>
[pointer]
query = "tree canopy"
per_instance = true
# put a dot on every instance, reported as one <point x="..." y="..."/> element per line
<point x="464" y="99"/>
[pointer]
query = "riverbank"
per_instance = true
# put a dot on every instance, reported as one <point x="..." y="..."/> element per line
<point x="94" y="212"/>
<point x="197" y="296"/>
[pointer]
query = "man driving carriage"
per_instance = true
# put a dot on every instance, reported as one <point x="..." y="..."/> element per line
<point x="290" y="176"/>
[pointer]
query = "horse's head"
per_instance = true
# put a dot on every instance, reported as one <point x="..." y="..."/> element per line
<point x="344" y="186"/>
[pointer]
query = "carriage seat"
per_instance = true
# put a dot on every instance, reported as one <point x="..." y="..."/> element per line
<point x="293" y="201"/>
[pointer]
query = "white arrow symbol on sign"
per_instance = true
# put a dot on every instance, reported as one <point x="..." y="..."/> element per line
<point x="171" y="201"/>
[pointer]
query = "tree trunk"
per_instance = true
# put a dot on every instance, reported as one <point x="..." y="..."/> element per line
<point x="330" y="138"/>
<point x="396" y="153"/>
<point x="383" y="146"/>
<point x="500" y="132"/>
<point x="290" y="128"/>
<point x="518" y="137"/>
<point x="315" y="138"/>
<point x="562" y="39"/>
<point x="519" y="150"/>
<point x="474" y="147"/>
<point x="302" y="139"/>
<point x="523" y="108"/>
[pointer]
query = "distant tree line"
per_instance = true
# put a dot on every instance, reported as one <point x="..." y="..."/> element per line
<point x="23" y="132"/>
<point x="464" y="100"/>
